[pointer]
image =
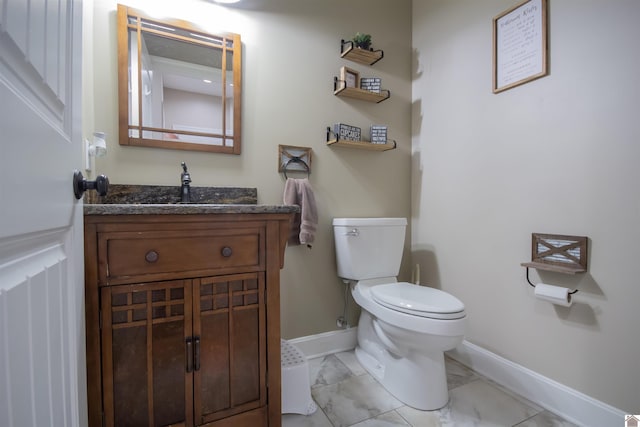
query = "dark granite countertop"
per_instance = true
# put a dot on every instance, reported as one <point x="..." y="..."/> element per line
<point x="184" y="209"/>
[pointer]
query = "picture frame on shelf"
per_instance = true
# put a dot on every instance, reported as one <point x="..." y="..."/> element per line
<point x="378" y="134"/>
<point x="371" y="84"/>
<point x="350" y="77"/>
<point x="347" y="132"/>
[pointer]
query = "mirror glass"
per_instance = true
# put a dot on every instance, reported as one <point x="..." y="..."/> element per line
<point x="179" y="87"/>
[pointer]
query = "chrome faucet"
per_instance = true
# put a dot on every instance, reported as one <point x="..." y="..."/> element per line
<point x="185" y="190"/>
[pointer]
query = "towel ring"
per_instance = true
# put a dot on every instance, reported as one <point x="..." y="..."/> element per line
<point x="296" y="159"/>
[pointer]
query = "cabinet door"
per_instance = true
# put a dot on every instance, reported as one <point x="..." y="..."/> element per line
<point x="145" y="332"/>
<point x="229" y="332"/>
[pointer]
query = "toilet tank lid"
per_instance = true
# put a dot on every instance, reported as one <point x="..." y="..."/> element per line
<point x="363" y="222"/>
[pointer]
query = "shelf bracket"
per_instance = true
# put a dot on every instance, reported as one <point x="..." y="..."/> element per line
<point x="329" y="133"/>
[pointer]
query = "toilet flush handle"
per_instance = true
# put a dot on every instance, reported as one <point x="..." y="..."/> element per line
<point x="353" y="232"/>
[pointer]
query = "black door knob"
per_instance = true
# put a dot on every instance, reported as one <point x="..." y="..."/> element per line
<point x="80" y="185"/>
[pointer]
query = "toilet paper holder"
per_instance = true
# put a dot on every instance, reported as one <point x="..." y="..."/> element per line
<point x="533" y="285"/>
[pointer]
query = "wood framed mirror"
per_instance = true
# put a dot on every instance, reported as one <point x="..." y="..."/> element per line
<point x="179" y="87"/>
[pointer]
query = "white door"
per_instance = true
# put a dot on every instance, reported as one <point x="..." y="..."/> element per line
<point x="42" y="344"/>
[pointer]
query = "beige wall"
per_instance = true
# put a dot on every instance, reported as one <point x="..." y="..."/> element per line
<point x="557" y="155"/>
<point x="291" y="53"/>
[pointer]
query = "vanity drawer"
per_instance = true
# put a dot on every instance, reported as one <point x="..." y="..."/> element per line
<point x="163" y="255"/>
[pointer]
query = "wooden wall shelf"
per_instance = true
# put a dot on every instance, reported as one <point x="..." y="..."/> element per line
<point x="340" y="89"/>
<point x="363" y="145"/>
<point x="555" y="268"/>
<point x="349" y="51"/>
<point x="356" y="54"/>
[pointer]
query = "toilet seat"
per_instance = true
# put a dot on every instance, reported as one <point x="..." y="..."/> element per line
<point x="418" y="300"/>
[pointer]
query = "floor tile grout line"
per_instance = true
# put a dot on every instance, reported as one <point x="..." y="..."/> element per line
<point x="405" y="420"/>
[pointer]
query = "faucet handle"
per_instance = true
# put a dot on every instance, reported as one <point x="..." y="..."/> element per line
<point x="185" y="176"/>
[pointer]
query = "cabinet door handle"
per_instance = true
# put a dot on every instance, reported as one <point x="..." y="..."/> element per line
<point x="189" y="341"/>
<point x="226" y="251"/>
<point x="196" y="355"/>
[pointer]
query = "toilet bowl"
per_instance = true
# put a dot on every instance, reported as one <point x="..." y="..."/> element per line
<point x="404" y="329"/>
<point x="405" y="351"/>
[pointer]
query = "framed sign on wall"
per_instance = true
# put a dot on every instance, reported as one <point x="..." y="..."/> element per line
<point x="520" y="45"/>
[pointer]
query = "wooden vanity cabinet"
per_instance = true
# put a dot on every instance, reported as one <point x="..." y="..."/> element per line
<point x="183" y="322"/>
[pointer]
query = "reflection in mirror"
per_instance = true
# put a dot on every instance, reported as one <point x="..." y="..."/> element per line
<point x="179" y="87"/>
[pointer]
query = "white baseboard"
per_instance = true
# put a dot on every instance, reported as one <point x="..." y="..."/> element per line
<point x="327" y="343"/>
<point x="551" y="395"/>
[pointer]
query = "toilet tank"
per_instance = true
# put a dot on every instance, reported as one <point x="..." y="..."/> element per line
<point x="368" y="248"/>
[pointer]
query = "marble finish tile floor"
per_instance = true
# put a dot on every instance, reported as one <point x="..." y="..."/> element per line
<point x="347" y="396"/>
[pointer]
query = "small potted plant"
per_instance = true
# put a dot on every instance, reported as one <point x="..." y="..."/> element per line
<point x="363" y="41"/>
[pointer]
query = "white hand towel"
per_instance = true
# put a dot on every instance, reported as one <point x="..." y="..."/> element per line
<point x="299" y="192"/>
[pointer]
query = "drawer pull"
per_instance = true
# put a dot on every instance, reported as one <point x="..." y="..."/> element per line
<point x="152" y="256"/>
<point x="226" y="251"/>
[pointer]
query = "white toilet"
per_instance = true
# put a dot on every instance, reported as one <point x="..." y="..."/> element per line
<point x="404" y="329"/>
